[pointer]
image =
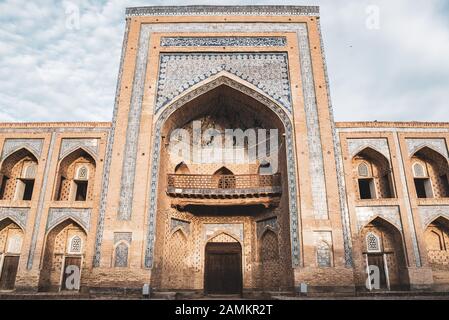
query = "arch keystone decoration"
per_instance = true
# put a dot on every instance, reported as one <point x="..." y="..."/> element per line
<point x="381" y="146"/>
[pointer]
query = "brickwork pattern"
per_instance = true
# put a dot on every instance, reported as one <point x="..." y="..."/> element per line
<point x="437" y="241"/>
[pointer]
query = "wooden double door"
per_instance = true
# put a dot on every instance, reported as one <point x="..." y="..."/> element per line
<point x="9" y="272"/>
<point x="223" y="268"/>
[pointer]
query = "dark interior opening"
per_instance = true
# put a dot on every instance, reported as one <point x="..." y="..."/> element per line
<point x="28" y="190"/>
<point x="365" y="189"/>
<point x="81" y="190"/>
<point x="420" y="185"/>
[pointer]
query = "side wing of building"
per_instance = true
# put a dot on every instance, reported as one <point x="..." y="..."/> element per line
<point x="50" y="190"/>
<point x="396" y="178"/>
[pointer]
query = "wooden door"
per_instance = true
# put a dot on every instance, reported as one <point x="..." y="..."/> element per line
<point x="223" y="268"/>
<point x="9" y="272"/>
<point x="70" y="261"/>
<point x="378" y="260"/>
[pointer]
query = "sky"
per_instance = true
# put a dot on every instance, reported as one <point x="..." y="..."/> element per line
<point x="388" y="60"/>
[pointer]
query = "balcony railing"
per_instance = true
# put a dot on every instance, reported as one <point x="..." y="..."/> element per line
<point x="224" y="186"/>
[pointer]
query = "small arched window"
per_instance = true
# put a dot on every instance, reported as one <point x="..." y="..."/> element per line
<point x="15" y="244"/>
<point x="372" y="243"/>
<point x="29" y="170"/>
<point x="363" y="170"/>
<point x="121" y="255"/>
<point x="82" y="173"/>
<point x="419" y="171"/>
<point x="323" y="253"/>
<point x="75" y="245"/>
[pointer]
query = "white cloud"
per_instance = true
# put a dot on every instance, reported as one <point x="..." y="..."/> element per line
<point x="51" y="73"/>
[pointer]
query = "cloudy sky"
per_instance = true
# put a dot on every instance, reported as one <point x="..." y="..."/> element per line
<point x="392" y="68"/>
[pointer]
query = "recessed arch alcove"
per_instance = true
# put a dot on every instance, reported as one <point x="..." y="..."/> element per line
<point x="225" y="199"/>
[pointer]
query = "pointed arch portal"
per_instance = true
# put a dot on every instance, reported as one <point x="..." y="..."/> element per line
<point x="246" y="89"/>
<point x="382" y="244"/>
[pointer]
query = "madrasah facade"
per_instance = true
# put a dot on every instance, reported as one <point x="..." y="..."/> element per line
<point x="109" y="199"/>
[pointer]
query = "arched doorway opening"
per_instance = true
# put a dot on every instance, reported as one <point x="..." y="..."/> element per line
<point x="11" y="238"/>
<point x="223" y="266"/>
<point x="382" y="248"/>
<point x="226" y="194"/>
<point x="437" y="241"/>
<point x="63" y="258"/>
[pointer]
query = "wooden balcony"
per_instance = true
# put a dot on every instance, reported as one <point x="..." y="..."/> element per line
<point x="224" y="190"/>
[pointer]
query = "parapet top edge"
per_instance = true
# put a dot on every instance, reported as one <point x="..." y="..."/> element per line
<point x="223" y="11"/>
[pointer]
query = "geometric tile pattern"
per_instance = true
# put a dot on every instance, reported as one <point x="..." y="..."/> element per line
<point x="176" y="223"/>
<point x="366" y="214"/>
<point x="430" y="213"/>
<point x="267" y="71"/>
<point x="18" y="215"/>
<point x="57" y="215"/>
<point x="223" y="41"/>
<point x="323" y="244"/>
<point x="439" y="145"/>
<point x="316" y="161"/>
<point x="223" y="11"/>
<point x="357" y="145"/>
<point x="12" y="145"/>
<point x="123" y="236"/>
<point x="70" y="145"/>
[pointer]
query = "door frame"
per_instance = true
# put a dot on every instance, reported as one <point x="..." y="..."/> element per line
<point x="2" y="260"/>
<point x="241" y="267"/>
<point x="385" y="264"/>
<point x="2" y="256"/>
<point x="61" y="277"/>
